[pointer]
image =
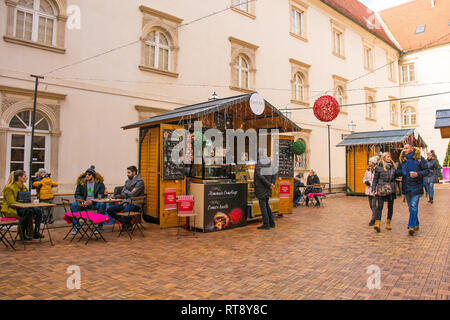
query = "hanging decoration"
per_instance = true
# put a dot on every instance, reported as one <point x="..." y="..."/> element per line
<point x="326" y="108"/>
<point x="299" y="147"/>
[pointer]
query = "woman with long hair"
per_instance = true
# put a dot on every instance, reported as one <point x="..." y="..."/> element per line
<point x="384" y="187"/>
<point x="432" y="177"/>
<point x="368" y="180"/>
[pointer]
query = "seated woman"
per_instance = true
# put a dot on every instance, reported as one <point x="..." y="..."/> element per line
<point x="311" y="181"/>
<point x="10" y="197"/>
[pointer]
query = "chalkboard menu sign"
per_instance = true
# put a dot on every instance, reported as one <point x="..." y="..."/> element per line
<point x="170" y="170"/>
<point x="286" y="159"/>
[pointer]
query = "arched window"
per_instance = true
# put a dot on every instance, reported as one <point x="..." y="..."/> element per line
<point x="409" y="116"/>
<point x="242" y="71"/>
<point x="157" y="51"/>
<point x="299" y="87"/>
<point x="371" y="109"/>
<point x="19" y="143"/>
<point x="36" y="21"/>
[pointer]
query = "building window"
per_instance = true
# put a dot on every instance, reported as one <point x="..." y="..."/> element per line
<point x="297" y="22"/>
<point x="368" y="58"/>
<point x="299" y="84"/>
<point x="19" y="143"/>
<point x="408" y="73"/>
<point x="340" y="88"/>
<point x="242" y="71"/>
<point x="36" y="21"/>
<point x="338" y="45"/>
<point x="394" y="114"/>
<point x="370" y="109"/>
<point x="243" y="5"/>
<point x="298" y="19"/>
<point x="243" y="62"/>
<point x="391" y="71"/>
<point x="409" y="117"/>
<point x="157" y="51"/>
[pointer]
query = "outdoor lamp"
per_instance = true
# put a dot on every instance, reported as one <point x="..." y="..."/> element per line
<point x="213" y="97"/>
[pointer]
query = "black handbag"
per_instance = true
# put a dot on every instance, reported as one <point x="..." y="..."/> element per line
<point x="24" y="197"/>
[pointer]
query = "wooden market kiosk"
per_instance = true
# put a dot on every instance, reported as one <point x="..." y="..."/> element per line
<point x="207" y="183"/>
<point x="361" y="146"/>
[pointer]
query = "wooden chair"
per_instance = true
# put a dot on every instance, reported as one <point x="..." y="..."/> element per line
<point x="135" y="217"/>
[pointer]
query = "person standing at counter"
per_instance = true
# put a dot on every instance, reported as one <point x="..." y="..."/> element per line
<point x="264" y="185"/>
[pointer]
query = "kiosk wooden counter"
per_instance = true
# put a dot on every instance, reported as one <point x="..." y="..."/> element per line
<point x="161" y="175"/>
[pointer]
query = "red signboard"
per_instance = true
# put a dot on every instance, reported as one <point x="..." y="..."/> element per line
<point x="170" y="196"/>
<point x="285" y="190"/>
<point x="185" y="205"/>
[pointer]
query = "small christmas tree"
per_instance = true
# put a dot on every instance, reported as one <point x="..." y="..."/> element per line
<point x="447" y="157"/>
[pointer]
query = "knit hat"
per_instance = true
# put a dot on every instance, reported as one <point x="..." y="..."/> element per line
<point x="91" y="170"/>
<point x="42" y="170"/>
<point x="374" y="159"/>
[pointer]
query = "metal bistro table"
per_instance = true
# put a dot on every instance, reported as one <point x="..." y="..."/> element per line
<point x="38" y="205"/>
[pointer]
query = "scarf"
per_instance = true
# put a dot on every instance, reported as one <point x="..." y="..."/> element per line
<point x="409" y="165"/>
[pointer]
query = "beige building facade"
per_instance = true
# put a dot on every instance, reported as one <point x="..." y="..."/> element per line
<point x="109" y="63"/>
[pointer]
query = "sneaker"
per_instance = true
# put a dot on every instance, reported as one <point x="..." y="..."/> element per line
<point x="263" y="227"/>
<point x="74" y="230"/>
<point x="371" y="223"/>
<point x="38" y="236"/>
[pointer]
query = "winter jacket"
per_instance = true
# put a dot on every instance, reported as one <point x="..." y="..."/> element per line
<point x="82" y="192"/>
<point x="312" y="181"/>
<point x="10" y="197"/>
<point x="45" y="188"/>
<point x="297" y="185"/>
<point x="263" y="182"/>
<point x="133" y="188"/>
<point x="368" y="176"/>
<point x="431" y="177"/>
<point x="382" y="177"/>
<point x="412" y="162"/>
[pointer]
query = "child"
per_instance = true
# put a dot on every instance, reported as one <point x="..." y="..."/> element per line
<point x="46" y="194"/>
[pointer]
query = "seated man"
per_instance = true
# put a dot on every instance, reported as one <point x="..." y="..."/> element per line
<point x="134" y="187"/>
<point x="10" y="197"/>
<point x="89" y="186"/>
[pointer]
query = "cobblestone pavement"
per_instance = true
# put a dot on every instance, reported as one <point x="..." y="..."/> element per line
<point x="312" y="254"/>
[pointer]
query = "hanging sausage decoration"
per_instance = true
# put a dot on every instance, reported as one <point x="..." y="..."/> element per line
<point x="326" y="108"/>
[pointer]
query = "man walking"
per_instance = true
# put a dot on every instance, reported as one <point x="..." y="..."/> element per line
<point x="413" y="168"/>
<point x="264" y="185"/>
<point x="134" y="187"/>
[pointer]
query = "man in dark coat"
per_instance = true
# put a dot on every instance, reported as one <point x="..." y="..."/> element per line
<point x="134" y="187"/>
<point x="89" y="186"/>
<point x="413" y="168"/>
<point x="264" y="184"/>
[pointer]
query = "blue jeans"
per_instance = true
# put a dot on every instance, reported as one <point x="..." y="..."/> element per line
<point x="413" y="204"/>
<point x="298" y="199"/>
<point x="430" y="189"/>
<point x="100" y="207"/>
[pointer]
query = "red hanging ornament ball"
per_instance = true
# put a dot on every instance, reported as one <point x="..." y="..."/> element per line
<point x="326" y="108"/>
